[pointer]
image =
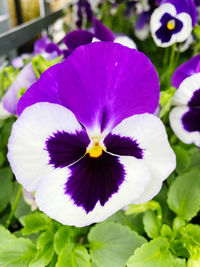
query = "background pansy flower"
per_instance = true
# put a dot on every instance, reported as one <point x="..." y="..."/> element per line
<point x="185" y="117"/>
<point x="85" y="140"/>
<point x="185" y="70"/>
<point x="144" y="9"/>
<point x="27" y="76"/>
<point x="173" y="21"/>
<point x="99" y="33"/>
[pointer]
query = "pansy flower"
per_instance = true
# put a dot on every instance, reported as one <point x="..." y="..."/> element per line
<point x="99" y="33"/>
<point x="173" y="21"/>
<point x="86" y="140"/>
<point x="144" y="10"/>
<point x="185" y="117"/>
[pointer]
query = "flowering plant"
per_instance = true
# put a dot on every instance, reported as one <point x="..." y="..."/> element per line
<point x="99" y="165"/>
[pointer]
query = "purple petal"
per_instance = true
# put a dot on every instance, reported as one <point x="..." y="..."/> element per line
<point x="142" y="20"/>
<point x="185" y="70"/>
<point x="102" y="32"/>
<point x="94" y="179"/>
<point x="76" y="38"/>
<point x="24" y="79"/>
<point x="45" y="90"/>
<point x="51" y="47"/>
<point x="187" y="6"/>
<point x="66" y="148"/>
<point x="108" y="82"/>
<point x="40" y="45"/>
<point x="123" y="146"/>
<point x="191" y="120"/>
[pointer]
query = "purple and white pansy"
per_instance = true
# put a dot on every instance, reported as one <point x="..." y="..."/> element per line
<point x="173" y="21"/>
<point x="185" y="116"/>
<point x="86" y="140"/>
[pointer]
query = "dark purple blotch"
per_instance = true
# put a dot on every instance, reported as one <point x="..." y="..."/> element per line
<point x="94" y="179"/>
<point x="64" y="148"/>
<point x="163" y="33"/>
<point x="191" y="119"/>
<point x="123" y="146"/>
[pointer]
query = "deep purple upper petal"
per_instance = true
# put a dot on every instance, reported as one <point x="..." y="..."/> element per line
<point x="106" y="82"/>
<point x="76" y="38"/>
<point x="44" y="90"/>
<point x="101" y="32"/>
<point x="24" y="79"/>
<point x="187" y="6"/>
<point x="185" y="70"/>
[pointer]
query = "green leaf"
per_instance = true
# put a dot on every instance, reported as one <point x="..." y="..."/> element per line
<point x="112" y="244"/>
<point x="6" y="187"/>
<point x="166" y="101"/>
<point x="14" y="252"/>
<point x="182" y="159"/>
<point x="151" y="224"/>
<point x="72" y="256"/>
<point x="155" y="254"/>
<point x="183" y="195"/>
<point x="23" y="208"/>
<point x="35" y="222"/>
<point x="166" y="231"/>
<point x="191" y="234"/>
<point x="61" y="238"/>
<point x="5" y="236"/>
<point x="45" y="250"/>
<point x="134" y="222"/>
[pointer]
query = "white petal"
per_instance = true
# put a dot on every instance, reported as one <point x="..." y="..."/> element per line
<point x="175" y="118"/>
<point x="126" y="41"/>
<point x="52" y="200"/>
<point x="187" y="27"/>
<point x="158" y="156"/>
<point x="26" y="148"/>
<point x="186" y="90"/>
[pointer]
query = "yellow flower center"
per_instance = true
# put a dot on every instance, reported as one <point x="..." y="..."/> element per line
<point x="96" y="147"/>
<point x="171" y="24"/>
<point x="96" y="151"/>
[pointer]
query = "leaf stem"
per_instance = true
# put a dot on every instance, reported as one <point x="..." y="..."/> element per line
<point x="14" y="206"/>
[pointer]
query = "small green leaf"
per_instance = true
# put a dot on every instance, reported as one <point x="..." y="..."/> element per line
<point x="35" y="222"/>
<point x="182" y="159"/>
<point x="191" y="235"/>
<point x="61" y="238"/>
<point x="155" y="254"/>
<point x="166" y="231"/>
<point x="72" y="256"/>
<point x="151" y="224"/>
<point x="183" y="195"/>
<point x="112" y="244"/>
<point x="45" y="250"/>
<point x="6" y="187"/>
<point x="5" y="236"/>
<point x="14" y="252"/>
